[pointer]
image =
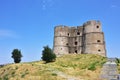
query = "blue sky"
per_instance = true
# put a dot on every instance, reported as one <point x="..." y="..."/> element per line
<point x="29" y="24"/>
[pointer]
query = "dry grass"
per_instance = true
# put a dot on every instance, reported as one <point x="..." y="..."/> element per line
<point x="84" y="66"/>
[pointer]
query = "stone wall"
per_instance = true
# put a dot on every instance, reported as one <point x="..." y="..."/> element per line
<point x="87" y="38"/>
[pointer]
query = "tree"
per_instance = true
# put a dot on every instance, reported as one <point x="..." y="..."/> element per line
<point x="16" y="55"/>
<point x="48" y="55"/>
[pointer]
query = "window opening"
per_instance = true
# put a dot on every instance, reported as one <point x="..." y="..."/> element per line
<point x="78" y="33"/>
<point x="98" y="41"/>
<point x="75" y="51"/>
<point x="75" y="43"/>
<point x="61" y="48"/>
<point x="67" y="44"/>
<point x="97" y="26"/>
<point x="68" y="34"/>
<point x="99" y="50"/>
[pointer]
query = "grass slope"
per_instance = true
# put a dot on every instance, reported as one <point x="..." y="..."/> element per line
<point x="79" y="67"/>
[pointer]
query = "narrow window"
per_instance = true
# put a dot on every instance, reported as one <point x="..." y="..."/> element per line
<point x="97" y="26"/>
<point x="68" y="34"/>
<point x="99" y="50"/>
<point x="67" y="44"/>
<point x="98" y="41"/>
<point x="78" y="33"/>
<point x="61" y="48"/>
<point x="75" y="43"/>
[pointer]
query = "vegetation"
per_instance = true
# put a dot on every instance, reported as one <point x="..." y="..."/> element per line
<point x="16" y="55"/>
<point x="81" y="66"/>
<point x="48" y="55"/>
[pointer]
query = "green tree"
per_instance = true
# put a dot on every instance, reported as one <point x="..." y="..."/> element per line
<point x="16" y="55"/>
<point x="48" y="55"/>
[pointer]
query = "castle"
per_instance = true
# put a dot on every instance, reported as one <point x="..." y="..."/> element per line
<point x="85" y="39"/>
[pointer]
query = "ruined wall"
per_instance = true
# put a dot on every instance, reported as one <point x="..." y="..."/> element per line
<point x="88" y="38"/>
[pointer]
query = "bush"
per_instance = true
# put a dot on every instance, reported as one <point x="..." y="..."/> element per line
<point x="6" y="77"/>
<point x="48" y="55"/>
<point x="92" y="67"/>
<point x="117" y="60"/>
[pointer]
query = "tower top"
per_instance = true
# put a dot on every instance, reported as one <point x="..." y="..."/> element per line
<point x="92" y="22"/>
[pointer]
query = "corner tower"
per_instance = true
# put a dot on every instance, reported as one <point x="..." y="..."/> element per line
<point x="93" y="39"/>
<point x="61" y="40"/>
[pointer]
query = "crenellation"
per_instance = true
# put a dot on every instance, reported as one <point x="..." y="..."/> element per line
<point x="87" y="38"/>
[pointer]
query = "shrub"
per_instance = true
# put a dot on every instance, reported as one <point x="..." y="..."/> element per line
<point x="48" y="55"/>
<point x="5" y="77"/>
<point x="117" y="60"/>
<point x="13" y="74"/>
<point x="92" y="67"/>
<point x="54" y="74"/>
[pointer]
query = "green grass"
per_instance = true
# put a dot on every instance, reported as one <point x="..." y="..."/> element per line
<point x="82" y="66"/>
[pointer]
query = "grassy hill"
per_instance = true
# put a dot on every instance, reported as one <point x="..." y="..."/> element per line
<point x="67" y="67"/>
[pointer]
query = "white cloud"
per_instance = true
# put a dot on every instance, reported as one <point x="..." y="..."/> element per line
<point x="7" y="34"/>
<point x="47" y="4"/>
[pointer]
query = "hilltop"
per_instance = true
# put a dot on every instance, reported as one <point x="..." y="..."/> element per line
<point x="67" y="67"/>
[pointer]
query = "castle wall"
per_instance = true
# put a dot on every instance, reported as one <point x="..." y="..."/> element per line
<point x="95" y="49"/>
<point x="95" y="37"/>
<point x="88" y="38"/>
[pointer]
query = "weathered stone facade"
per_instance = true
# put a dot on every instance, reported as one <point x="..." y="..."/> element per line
<point x="87" y="38"/>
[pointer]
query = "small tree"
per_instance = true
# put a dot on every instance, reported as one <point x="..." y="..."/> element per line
<point x="16" y="55"/>
<point x="48" y="55"/>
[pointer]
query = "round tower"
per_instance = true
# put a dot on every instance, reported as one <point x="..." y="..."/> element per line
<point x="93" y="38"/>
<point x="61" y="34"/>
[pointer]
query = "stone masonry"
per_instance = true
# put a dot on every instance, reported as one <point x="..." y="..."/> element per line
<point x="85" y="39"/>
<point x="109" y="70"/>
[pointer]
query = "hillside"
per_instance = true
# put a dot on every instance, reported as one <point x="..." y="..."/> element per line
<point x="67" y="67"/>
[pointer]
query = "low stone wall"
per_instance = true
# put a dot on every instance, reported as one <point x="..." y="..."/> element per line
<point x="109" y="70"/>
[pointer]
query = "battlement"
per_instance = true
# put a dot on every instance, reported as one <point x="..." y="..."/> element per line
<point x="92" y="22"/>
<point x="87" y="38"/>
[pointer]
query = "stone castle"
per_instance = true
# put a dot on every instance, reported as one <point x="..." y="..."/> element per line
<point x="85" y="39"/>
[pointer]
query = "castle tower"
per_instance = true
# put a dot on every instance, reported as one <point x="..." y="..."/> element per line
<point x="93" y="38"/>
<point x="61" y="34"/>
